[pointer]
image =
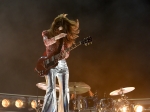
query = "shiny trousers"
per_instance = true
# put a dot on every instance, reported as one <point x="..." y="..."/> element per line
<point x="50" y="100"/>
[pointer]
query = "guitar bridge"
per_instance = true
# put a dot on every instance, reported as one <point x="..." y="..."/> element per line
<point x="49" y="62"/>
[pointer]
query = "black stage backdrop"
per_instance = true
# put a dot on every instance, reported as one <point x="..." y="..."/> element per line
<point x="119" y="56"/>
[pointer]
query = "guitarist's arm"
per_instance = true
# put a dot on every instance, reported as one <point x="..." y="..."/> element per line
<point x="47" y="41"/>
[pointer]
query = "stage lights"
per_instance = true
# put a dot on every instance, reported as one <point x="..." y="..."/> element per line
<point x="34" y="104"/>
<point x="19" y="103"/>
<point x="5" y="103"/>
<point x="138" y="108"/>
<point x="124" y="108"/>
<point x="27" y="103"/>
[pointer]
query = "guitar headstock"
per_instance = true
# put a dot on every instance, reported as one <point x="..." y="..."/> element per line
<point x="87" y="41"/>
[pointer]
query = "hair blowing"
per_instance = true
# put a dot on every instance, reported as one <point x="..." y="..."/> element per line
<point x="71" y="27"/>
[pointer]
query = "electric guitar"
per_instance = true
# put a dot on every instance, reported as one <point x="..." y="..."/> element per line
<point x="45" y="63"/>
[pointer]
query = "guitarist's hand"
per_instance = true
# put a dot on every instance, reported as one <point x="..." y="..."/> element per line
<point x="64" y="54"/>
<point x="61" y="35"/>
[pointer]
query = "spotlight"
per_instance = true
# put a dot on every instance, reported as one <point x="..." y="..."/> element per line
<point x="34" y="104"/>
<point x="19" y="103"/>
<point x="124" y="108"/>
<point x="138" y="108"/>
<point x="5" y="103"/>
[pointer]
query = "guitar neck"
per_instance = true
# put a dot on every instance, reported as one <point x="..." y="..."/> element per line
<point x="68" y="50"/>
<point x="73" y="47"/>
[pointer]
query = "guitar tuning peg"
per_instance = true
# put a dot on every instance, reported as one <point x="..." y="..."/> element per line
<point x="90" y="42"/>
<point x="85" y="44"/>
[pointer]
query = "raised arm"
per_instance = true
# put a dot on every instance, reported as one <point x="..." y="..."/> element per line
<point x="49" y="41"/>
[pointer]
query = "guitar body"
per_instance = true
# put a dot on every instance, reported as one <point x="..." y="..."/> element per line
<point x="44" y="64"/>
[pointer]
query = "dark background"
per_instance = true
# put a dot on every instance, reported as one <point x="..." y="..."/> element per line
<point x="119" y="56"/>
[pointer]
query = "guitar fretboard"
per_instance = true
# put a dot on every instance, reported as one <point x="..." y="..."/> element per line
<point x="68" y="50"/>
<point x="73" y="47"/>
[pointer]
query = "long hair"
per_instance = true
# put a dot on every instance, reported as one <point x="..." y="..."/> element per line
<point x="62" y="24"/>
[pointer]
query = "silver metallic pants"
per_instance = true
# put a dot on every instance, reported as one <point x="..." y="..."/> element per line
<point x="50" y="101"/>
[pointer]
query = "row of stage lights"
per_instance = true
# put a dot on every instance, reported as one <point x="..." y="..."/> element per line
<point x="15" y="102"/>
<point x="137" y="108"/>
<point x="6" y="103"/>
<point x="122" y="107"/>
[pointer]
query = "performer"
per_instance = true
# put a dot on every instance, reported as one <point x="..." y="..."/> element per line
<point x="61" y="35"/>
